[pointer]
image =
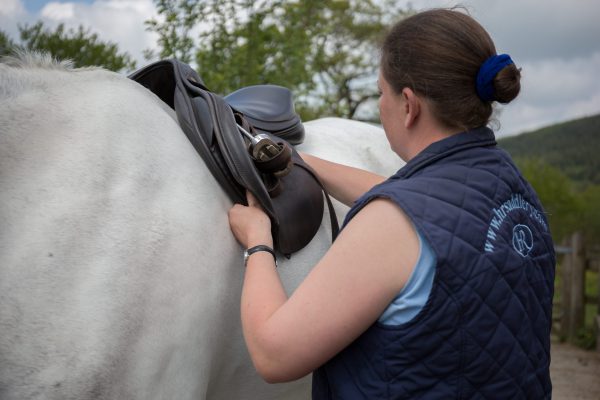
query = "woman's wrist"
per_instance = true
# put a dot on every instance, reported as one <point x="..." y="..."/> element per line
<point x="256" y="239"/>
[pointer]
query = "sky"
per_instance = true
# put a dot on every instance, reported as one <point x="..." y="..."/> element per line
<point x="555" y="42"/>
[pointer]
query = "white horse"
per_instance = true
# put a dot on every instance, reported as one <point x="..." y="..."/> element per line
<point x="119" y="277"/>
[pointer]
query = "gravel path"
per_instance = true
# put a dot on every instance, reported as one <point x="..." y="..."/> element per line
<point x="575" y="373"/>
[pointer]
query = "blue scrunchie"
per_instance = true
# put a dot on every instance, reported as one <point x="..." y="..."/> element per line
<point x="487" y="73"/>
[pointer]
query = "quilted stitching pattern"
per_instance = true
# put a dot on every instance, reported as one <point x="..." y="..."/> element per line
<point x="484" y="332"/>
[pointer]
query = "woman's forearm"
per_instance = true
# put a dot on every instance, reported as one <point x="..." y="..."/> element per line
<point x="344" y="183"/>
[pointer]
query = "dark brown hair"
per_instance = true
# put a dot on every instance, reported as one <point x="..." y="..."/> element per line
<point x="437" y="54"/>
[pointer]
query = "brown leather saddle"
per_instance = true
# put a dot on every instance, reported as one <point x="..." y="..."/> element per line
<point x="243" y="139"/>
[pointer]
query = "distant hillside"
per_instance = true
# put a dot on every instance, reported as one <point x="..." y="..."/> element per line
<point x="573" y="147"/>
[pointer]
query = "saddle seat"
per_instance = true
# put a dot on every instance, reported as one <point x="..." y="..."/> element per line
<point x="269" y="109"/>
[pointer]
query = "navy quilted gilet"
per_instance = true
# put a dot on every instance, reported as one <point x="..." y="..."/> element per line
<point x="485" y="329"/>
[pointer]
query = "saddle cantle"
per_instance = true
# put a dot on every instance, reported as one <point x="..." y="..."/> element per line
<point x="292" y="197"/>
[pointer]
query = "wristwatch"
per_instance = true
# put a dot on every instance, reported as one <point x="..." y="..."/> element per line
<point x="256" y="249"/>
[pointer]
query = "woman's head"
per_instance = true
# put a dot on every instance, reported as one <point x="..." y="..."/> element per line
<point x="438" y="54"/>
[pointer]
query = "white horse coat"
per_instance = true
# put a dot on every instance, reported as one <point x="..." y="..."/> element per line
<point x="119" y="276"/>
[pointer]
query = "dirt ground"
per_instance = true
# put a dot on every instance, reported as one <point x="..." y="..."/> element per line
<point x="575" y="373"/>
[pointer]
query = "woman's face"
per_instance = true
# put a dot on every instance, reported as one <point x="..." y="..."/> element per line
<point x="390" y="107"/>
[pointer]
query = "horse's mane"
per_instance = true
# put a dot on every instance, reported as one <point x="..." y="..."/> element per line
<point x="28" y="69"/>
<point x="36" y="59"/>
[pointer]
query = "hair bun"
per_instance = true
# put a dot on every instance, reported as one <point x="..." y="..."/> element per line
<point x="507" y="84"/>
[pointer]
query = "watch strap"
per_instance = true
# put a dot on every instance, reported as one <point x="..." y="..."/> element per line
<point x="256" y="249"/>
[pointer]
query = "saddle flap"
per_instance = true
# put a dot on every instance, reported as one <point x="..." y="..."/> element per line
<point x="159" y="78"/>
<point x="233" y="150"/>
<point x="299" y="205"/>
<point x="210" y="124"/>
<point x="202" y="114"/>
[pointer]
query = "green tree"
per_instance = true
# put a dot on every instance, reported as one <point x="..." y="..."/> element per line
<point x="590" y="213"/>
<point x="556" y="191"/>
<point x="319" y="49"/>
<point x="347" y="52"/>
<point x="6" y="44"/>
<point x="238" y="43"/>
<point x="250" y="46"/>
<point x="178" y="18"/>
<point x="80" y="46"/>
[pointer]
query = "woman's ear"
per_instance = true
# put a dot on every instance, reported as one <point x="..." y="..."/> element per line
<point x="412" y="107"/>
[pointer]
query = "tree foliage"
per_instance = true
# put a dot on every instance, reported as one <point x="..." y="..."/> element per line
<point x="173" y="29"/>
<point x="556" y="192"/>
<point x="6" y="44"/>
<point x="590" y="213"/>
<point x="319" y="49"/>
<point x="80" y="46"/>
<point x="347" y="52"/>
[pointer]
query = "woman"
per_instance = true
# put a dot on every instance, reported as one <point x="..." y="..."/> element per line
<point x="440" y="283"/>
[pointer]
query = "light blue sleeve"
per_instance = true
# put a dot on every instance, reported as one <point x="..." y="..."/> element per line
<point x="415" y="293"/>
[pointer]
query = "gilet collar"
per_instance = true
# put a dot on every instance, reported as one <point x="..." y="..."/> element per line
<point x="479" y="137"/>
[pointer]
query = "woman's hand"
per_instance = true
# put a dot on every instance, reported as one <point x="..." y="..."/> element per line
<point x="249" y="224"/>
